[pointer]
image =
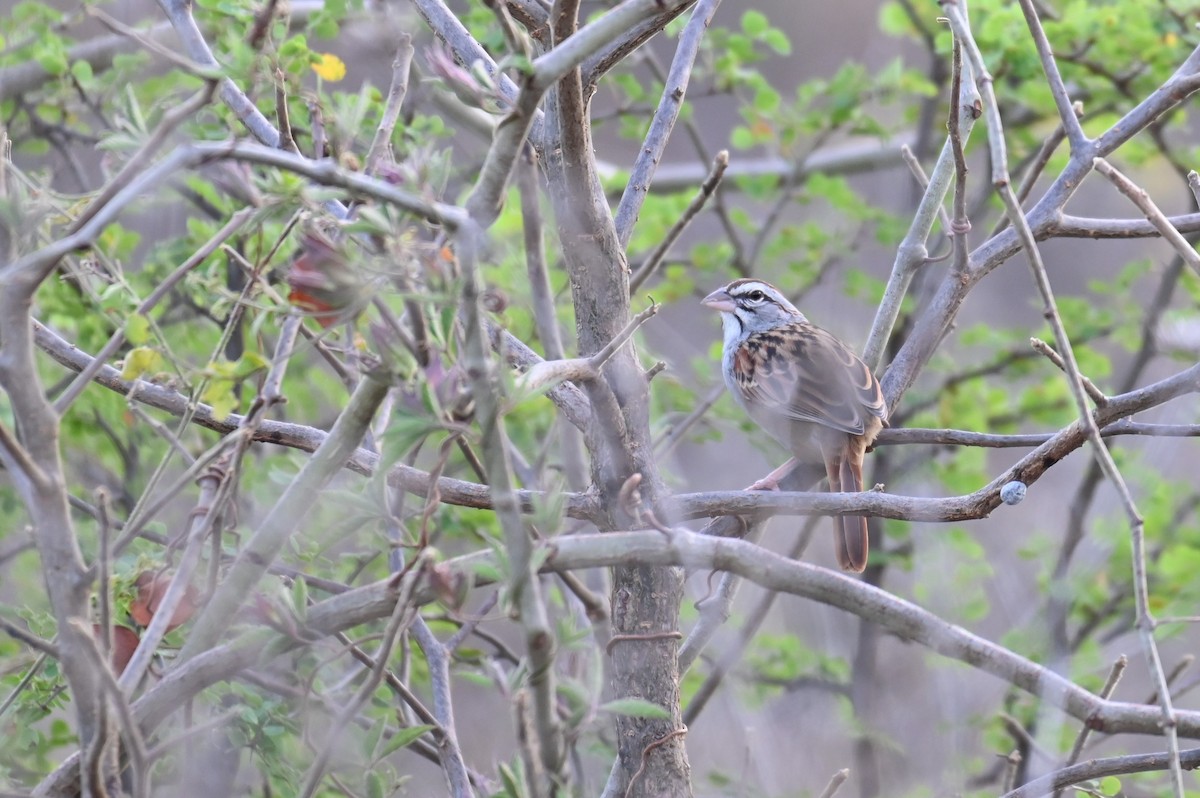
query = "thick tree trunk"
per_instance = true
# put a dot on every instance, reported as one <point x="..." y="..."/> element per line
<point x="645" y="600"/>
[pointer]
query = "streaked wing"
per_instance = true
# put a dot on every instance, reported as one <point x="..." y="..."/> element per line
<point x="804" y="373"/>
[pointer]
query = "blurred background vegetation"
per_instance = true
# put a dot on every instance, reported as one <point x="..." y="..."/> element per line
<point x="812" y="101"/>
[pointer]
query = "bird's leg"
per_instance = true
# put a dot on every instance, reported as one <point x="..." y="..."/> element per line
<point x="771" y="481"/>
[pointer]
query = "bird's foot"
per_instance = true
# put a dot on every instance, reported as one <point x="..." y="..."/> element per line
<point x="766" y="483"/>
<point x="771" y="481"/>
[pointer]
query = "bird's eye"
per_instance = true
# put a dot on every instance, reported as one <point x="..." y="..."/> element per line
<point x="756" y="296"/>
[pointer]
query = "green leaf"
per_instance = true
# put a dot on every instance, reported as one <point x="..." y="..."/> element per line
<point x="51" y="59"/>
<point x="487" y="571"/>
<point x="323" y="26"/>
<point x="300" y="598"/>
<point x="1110" y="785"/>
<point x="249" y="363"/>
<point x="742" y="138"/>
<point x="220" y="395"/>
<point x="139" y="361"/>
<point x="374" y="734"/>
<point x="778" y="41"/>
<point x="402" y="739"/>
<point x="635" y="707"/>
<point x="517" y="62"/>
<point x="293" y="47"/>
<point x="374" y="785"/>
<point x="405" y="432"/>
<point x="766" y="99"/>
<point x="82" y="71"/>
<point x="137" y="329"/>
<point x="894" y="21"/>
<point x="513" y="777"/>
<point x="755" y="23"/>
<point x="34" y="146"/>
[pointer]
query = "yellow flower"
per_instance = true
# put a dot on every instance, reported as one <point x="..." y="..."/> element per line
<point x="329" y="67"/>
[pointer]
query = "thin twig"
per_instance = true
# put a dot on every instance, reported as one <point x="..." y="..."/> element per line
<point x="1145" y="621"/>
<point x="674" y="89"/>
<point x="960" y="226"/>
<point x="381" y="144"/>
<point x="437" y="659"/>
<point x="1110" y="684"/>
<point x="205" y="71"/>
<point x="1058" y="89"/>
<point x="1142" y="200"/>
<point x="745" y="633"/>
<point x="835" y="782"/>
<point x="1094" y="393"/>
<point x="104" y="574"/>
<point x="202" y="522"/>
<point x="524" y="589"/>
<point x="287" y="142"/>
<point x="402" y="615"/>
<point x="1012" y="764"/>
<point x="1100" y="768"/>
<point x="551" y="372"/>
<point x="130" y="730"/>
<point x="918" y="172"/>
<point x="913" y="252"/>
<point x="18" y="458"/>
<point x="707" y="188"/>
<point x="67" y="397"/>
<point x="1049" y="449"/>
<point x="29" y="639"/>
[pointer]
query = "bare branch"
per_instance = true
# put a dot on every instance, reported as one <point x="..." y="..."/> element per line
<point x="381" y="144"/>
<point x="1110" y="684"/>
<point x="202" y="522"/>
<point x="135" y="744"/>
<point x="954" y="437"/>
<point x="1069" y="226"/>
<point x="1145" y="621"/>
<point x="33" y="268"/>
<point x="484" y="202"/>
<point x="447" y="27"/>
<point x="402" y="616"/>
<point x="1058" y="90"/>
<point x="757" y="565"/>
<point x="29" y="639"/>
<point x="151" y="44"/>
<point x="68" y="396"/>
<point x="1140" y="198"/>
<point x="707" y="188"/>
<point x="286" y="516"/>
<point x="600" y="63"/>
<point x="1089" y="387"/>
<point x="1099" y="768"/>
<point x="1049" y="450"/>
<point x="437" y="658"/>
<point x="854" y="157"/>
<point x="674" y="90"/>
<point x="582" y="368"/>
<point x="835" y="782"/>
<point x="717" y="609"/>
<point x="524" y="589"/>
<point x="913" y="252"/>
<point x="17" y="460"/>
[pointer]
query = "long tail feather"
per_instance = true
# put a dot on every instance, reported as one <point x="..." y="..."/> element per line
<point x="852" y="541"/>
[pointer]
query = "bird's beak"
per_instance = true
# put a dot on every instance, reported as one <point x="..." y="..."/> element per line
<point x="719" y="300"/>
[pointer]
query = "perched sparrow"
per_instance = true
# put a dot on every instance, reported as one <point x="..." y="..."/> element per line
<point x="804" y="387"/>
